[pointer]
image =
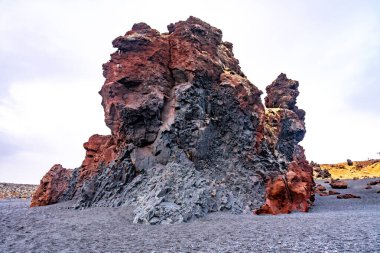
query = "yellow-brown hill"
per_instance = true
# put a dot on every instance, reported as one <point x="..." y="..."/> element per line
<point x="360" y="169"/>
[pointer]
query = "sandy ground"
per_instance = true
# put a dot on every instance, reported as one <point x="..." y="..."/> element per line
<point x="333" y="225"/>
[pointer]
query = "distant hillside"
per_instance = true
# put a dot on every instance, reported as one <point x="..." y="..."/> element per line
<point x="360" y="169"/>
<point x="16" y="191"/>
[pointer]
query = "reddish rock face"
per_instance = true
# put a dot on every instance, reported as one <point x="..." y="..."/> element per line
<point x="52" y="186"/>
<point x="284" y="128"/>
<point x="100" y="149"/>
<point x="189" y="132"/>
<point x="283" y="93"/>
<point x="293" y="191"/>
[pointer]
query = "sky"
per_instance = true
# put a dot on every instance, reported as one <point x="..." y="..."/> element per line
<point x="51" y="53"/>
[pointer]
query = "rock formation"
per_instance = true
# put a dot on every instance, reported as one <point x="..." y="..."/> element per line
<point x="190" y="134"/>
<point x="52" y="186"/>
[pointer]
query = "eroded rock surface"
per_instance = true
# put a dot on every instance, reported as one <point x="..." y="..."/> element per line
<point x="52" y="186"/>
<point x="190" y="134"/>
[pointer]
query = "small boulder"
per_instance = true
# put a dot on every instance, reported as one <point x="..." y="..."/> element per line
<point x="368" y="187"/>
<point x="348" y="196"/>
<point x="349" y="162"/>
<point x="338" y="184"/>
<point x="320" y="188"/>
<point x="333" y="193"/>
<point x="374" y="182"/>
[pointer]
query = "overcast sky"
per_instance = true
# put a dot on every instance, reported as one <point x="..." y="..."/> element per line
<point x="51" y="54"/>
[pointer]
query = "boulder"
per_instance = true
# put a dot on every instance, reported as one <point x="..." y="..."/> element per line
<point x="338" y="184"/>
<point x="348" y="196"/>
<point x="333" y="192"/>
<point x="52" y="186"/>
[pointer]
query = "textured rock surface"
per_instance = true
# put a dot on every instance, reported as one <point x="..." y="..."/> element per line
<point x="348" y="196"/>
<point x="190" y="134"/>
<point x="338" y="184"/>
<point x="52" y="186"/>
<point x="100" y="150"/>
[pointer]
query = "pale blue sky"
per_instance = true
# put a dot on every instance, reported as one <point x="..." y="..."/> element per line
<point x="51" y="54"/>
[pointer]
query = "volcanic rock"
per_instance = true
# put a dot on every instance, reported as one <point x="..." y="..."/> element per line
<point x="338" y="184"/>
<point x="52" y="186"/>
<point x="190" y="134"/>
<point x="320" y="188"/>
<point x="100" y="149"/>
<point x="375" y="182"/>
<point x="333" y="193"/>
<point x="349" y="162"/>
<point x="348" y="196"/>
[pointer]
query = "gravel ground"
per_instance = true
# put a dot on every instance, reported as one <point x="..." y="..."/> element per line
<point x="333" y="225"/>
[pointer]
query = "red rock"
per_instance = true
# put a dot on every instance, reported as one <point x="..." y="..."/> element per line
<point x="100" y="149"/>
<point x="374" y="182"/>
<point x="368" y="187"/>
<point x="320" y="188"/>
<point x="338" y="184"/>
<point x="348" y="196"/>
<point x="52" y="186"/>
<point x="283" y="93"/>
<point x="179" y="99"/>
<point x="291" y="192"/>
<point x="333" y="193"/>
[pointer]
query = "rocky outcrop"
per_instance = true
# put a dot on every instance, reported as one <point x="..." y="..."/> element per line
<point x="52" y="186"/>
<point x="283" y="93"/>
<point x="190" y="134"/>
<point x="100" y="150"/>
<point x="319" y="172"/>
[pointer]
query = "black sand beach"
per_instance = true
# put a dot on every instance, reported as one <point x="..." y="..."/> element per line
<point x="333" y="225"/>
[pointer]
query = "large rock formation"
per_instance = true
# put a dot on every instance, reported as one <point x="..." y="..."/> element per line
<point x="190" y="134"/>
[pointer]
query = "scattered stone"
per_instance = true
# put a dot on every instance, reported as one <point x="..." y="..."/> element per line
<point x="374" y="182"/>
<point x="338" y="184"/>
<point x="348" y="196"/>
<point x="320" y="188"/>
<point x="368" y="187"/>
<point x="16" y="191"/>
<point x="333" y="192"/>
<point x="349" y="162"/>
